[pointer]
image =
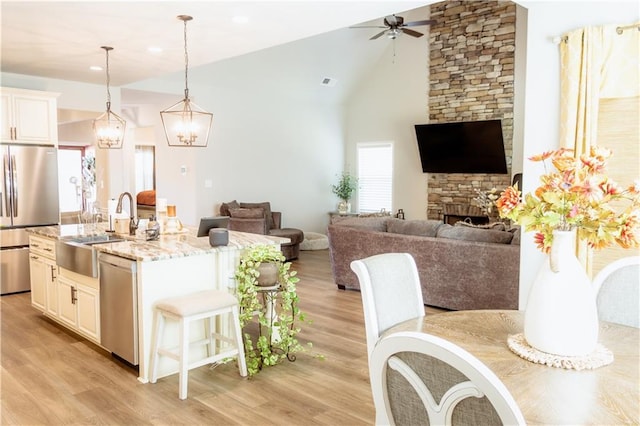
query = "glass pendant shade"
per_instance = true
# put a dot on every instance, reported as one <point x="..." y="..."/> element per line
<point x="109" y="130"/>
<point x="109" y="127"/>
<point x="186" y="124"/>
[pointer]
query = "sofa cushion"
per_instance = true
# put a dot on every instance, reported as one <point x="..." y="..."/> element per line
<point x="424" y="228"/>
<point x="224" y="207"/>
<point x="474" y="234"/>
<point x="266" y="206"/>
<point x="371" y="223"/>
<point x="247" y="213"/>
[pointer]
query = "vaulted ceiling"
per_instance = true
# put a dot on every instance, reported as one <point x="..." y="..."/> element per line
<point x="62" y="39"/>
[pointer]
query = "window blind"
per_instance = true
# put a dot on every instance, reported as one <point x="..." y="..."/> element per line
<point x="375" y="176"/>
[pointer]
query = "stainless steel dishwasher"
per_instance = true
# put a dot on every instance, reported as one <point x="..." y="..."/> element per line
<point x="119" y="306"/>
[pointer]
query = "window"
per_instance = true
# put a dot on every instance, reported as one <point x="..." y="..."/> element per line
<point x="375" y="176"/>
<point x="145" y="168"/>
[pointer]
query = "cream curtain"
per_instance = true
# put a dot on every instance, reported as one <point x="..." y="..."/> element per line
<point x="596" y="63"/>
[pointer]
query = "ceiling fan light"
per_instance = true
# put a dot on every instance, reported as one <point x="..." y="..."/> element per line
<point x="393" y="33"/>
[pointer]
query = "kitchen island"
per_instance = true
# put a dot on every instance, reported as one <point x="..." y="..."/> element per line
<point x="173" y="265"/>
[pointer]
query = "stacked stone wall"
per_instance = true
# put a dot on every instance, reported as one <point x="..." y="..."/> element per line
<point x="471" y="68"/>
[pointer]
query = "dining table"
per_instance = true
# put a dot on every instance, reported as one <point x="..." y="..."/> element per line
<point x="607" y="395"/>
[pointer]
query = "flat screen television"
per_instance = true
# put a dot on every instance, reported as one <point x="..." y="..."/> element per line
<point x="463" y="147"/>
<point x="207" y="223"/>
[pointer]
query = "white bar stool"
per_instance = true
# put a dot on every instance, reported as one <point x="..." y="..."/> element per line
<point x="202" y="305"/>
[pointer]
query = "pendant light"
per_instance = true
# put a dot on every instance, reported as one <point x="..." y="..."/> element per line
<point x="109" y="127"/>
<point x="185" y="123"/>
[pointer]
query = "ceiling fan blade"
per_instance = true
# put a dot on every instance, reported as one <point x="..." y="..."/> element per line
<point x="411" y="32"/>
<point x="370" y="26"/>
<point x="378" y="35"/>
<point x="416" y="23"/>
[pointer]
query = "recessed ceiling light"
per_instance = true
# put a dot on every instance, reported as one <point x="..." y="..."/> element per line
<point x="154" y="49"/>
<point x="240" y="19"/>
<point x="95" y="68"/>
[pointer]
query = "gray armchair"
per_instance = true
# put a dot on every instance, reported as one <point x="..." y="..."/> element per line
<point x="257" y="218"/>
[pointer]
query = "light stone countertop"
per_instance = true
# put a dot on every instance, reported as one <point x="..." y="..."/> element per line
<point x="168" y="246"/>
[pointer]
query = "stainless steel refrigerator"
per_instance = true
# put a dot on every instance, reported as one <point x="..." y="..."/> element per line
<point x="28" y="198"/>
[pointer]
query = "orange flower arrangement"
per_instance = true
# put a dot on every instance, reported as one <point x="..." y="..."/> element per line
<point x="579" y="195"/>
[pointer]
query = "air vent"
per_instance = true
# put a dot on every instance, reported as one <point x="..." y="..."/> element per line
<point x="329" y="82"/>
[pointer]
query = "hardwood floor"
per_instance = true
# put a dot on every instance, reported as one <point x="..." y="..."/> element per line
<point x="51" y="376"/>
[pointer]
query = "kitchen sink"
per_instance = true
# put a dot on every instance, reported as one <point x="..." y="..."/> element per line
<point x="78" y="255"/>
<point x="97" y="239"/>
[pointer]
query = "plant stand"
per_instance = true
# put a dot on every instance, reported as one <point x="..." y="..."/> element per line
<point x="269" y="298"/>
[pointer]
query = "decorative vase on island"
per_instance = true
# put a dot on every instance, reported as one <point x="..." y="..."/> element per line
<point x="561" y="316"/>
<point x="344" y="207"/>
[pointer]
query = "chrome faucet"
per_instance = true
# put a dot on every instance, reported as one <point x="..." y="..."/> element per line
<point x="133" y="224"/>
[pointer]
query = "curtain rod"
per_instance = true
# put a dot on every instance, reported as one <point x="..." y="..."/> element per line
<point x="619" y="30"/>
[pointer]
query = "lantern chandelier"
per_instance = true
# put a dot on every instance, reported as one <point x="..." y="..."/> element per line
<point x="109" y="127"/>
<point x="185" y="123"/>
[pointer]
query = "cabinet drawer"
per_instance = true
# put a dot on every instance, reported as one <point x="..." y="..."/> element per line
<point x="43" y="247"/>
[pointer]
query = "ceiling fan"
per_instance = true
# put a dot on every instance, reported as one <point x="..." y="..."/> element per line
<point x="395" y="25"/>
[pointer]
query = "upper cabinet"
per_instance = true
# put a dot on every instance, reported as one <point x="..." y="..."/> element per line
<point x="28" y="116"/>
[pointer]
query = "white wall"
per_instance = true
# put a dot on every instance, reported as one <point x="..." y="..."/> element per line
<point x="389" y="101"/>
<point x="542" y="90"/>
<point x="274" y="138"/>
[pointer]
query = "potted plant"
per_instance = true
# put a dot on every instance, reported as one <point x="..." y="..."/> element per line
<point x="344" y="189"/>
<point x="275" y="304"/>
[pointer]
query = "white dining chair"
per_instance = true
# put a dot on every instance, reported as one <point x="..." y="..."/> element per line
<point x="618" y="292"/>
<point x="418" y="378"/>
<point x="391" y="292"/>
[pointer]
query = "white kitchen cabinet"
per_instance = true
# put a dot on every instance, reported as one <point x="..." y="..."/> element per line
<point x="28" y="116"/>
<point x="44" y="274"/>
<point x="67" y="298"/>
<point x="88" y="303"/>
<point x="39" y="271"/>
<point x="79" y="304"/>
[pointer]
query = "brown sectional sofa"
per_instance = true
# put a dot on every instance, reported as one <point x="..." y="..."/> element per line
<point x="460" y="267"/>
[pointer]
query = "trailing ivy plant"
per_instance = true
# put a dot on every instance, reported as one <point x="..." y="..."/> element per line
<point x="268" y="349"/>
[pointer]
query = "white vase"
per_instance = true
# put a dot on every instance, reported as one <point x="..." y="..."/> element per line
<point x="561" y="317"/>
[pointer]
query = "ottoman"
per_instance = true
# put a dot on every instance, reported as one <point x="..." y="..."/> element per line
<point x="289" y="250"/>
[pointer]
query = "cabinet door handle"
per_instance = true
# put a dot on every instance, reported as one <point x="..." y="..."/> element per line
<point x="53" y="276"/>
<point x="73" y="295"/>
<point x="34" y="257"/>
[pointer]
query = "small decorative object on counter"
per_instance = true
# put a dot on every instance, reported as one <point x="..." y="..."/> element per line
<point x="218" y="237"/>
<point x="153" y="229"/>
<point x="400" y="214"/>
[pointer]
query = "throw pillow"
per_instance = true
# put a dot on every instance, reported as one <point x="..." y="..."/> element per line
<point x="423" y="228"/>
<point x="224" y="207"/>
<point x="241" y="213"/>
<point x="474" y="234"/>
<point x="266" y="206"/>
